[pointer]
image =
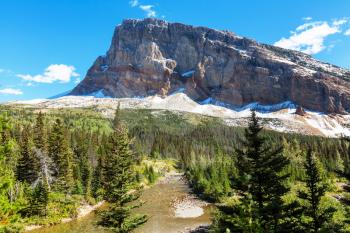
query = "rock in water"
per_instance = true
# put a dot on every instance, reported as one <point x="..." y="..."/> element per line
<point x="151" y="56"/>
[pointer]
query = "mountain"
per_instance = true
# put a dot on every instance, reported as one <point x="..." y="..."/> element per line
<point x="151" y="56"/>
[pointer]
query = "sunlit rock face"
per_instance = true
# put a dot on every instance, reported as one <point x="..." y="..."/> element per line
<point x="151" y="56"/>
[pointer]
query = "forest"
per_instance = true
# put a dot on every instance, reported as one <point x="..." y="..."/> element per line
<point x="52" y="161"/>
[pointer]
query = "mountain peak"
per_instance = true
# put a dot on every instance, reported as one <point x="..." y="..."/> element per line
<point x="152" y="56"/>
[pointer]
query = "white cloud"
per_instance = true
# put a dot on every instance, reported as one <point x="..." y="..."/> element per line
<point x="347" y="33"/>
<point x="10" y="91"/>
<point x="339" y="22"/>
<point x="150" y="12"/>
<point x="56" y="72"/>
<point x="307" y="18"/>
<point x="309" y="37"/>
<point x="134" y="3"/>
<point x="78" y="80"/>
<point x="148" y="9"/>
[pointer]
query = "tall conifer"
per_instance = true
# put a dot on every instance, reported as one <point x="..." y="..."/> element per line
<point x="40" y="137"/>
<point x="28" y="166"/>
<point x="61" y="154"/>
<point x="260" y="184"/>
<point x="120" y="183"/>
<point x="315" y="190"/>
<point x="261" y="165"/>
<point x="40" y="197"/>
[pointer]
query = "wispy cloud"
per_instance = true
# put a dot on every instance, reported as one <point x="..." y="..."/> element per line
<point x="6" y="71"/>
<point x="150" y="12"/>
<point x="53" y="73"/>
<point x="339" y="22"/>
<point x="148" y="9"/>
<point x="11" y="91"/>
<point x="134" y="3"/>
<point x="77" y="80"/>
<point x="307" y="18"/>
<point x="310" y="36"/>
<point x="347" y="33"/>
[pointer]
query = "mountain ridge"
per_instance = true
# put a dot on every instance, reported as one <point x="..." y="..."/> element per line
<point x="152" y="56"/>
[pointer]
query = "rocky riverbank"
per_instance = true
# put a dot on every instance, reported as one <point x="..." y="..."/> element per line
<point x="83" y="211"/>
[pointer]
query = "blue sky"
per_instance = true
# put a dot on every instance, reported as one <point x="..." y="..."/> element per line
<point x="47" y="46"/>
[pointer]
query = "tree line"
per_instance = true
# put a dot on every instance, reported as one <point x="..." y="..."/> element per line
<point x="42" y="165"/>
<point x="80" y="156"/>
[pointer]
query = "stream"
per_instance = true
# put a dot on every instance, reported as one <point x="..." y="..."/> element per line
<point x="168" y="204"/>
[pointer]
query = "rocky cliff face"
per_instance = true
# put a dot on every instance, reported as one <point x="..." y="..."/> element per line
<point x="151" y="56"/>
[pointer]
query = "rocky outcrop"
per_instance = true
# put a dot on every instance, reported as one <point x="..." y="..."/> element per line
<point x="300" y="111"/>
<point x="151" y="56"/>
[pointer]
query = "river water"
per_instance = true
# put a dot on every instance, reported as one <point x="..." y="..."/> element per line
<point x="159" y="207"/>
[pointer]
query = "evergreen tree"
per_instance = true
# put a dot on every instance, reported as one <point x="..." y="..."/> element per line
<point x="62" y="156"/>
<point x="315" y="190"/>
<point x="237" y="218"/>
<point x="86" y="176"/>
<point x="40" y="139"/>
<point x="28" y="164"/>
<point x="260" y="183"/>
<point x="116" y="120"/>
<point x="78" y="185"/>
<point x="98" y="177"/>
<point x="40" y="198"/>
<point x="120" y="184"/>
<point x="82" y="165"/>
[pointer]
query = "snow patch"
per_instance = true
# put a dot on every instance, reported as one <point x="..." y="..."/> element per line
<point x="280" y="117"/>
<point x="180" y="90"/>
<point x="188" y="74"/>
<point x="99" y="94"/>
<point x="28" y="102"/>
<point x="252" y="106"/>
<point x="104" y="68"/>
<point x="240" y="51"/>
<point x="327" y="125"/>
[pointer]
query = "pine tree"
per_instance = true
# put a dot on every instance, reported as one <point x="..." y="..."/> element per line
<point x="315" y="190"/>
<point x="260" y="183"/>
<point x="116" y="120"/>
<point x="40" y="198"/>
<point x="78" y="185"/>
<point x="40" y="139"/>
<point x="28" y="164"/>
<point x="120" y="184"/>
<point x="82" y="166"/>
<point x="98" y="177"/>
<point x="86" y="176"/>
<point x="61" y="154"/>
<point x="239" y="218"/>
